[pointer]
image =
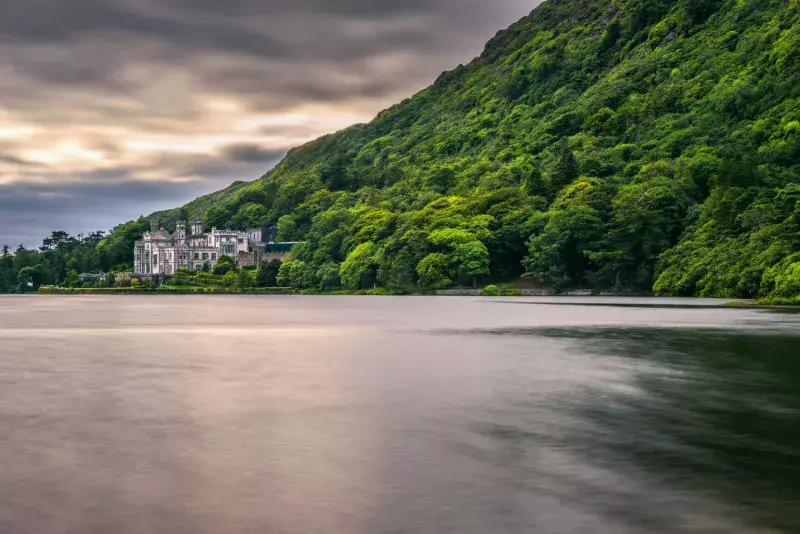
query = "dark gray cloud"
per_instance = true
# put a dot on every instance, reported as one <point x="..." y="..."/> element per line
<point x="112" y="108"/>
<point x="13" y="160"/>
<point x="29" y="212"/>
<point x="250" y="154"/>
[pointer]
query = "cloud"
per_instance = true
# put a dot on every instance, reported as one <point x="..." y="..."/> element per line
<point x="13" y="160"/>
<point x="250" y="154"/>
<point x="167" y="99"/>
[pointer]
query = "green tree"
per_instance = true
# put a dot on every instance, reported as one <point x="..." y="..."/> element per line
<point x="442" y="179"/>
<point x="25" y="279"/>
<point x="6" y="270"/>
<point x="229" y="279"/>
<point x="648" y="219"/>
<point x="471" y="260"/>
<point x="296" y="274"/>
<point x="566" y="170"/>
<point x="224" y="265"/>
<point x="334" y="174"/>
<point x="287" y="228"/>
<point x="533" y="183"/>
<point x="217" y="217"/>
<point x="328" y="275"/>
<point x="72" y="279"/>
<point x="450" y="237"/>
<point x="251" y="215"/>
<point x="401" y="276"/>
<point x="242" y="279"/>
<point x="433" y="271"/>
<point x="267" y="275"/>
<point x="560" y="255"/>
<point x="30" y="278"/>
<point x="359" y="269"/>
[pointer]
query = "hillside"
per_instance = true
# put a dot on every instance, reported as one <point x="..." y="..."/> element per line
<point x="627" y="144"/>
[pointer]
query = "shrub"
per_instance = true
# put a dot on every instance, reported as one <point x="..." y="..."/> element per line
<point x="491" y="291"/>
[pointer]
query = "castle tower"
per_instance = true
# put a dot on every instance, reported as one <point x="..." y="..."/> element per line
<point x="197" y="227"/>
<point x="180" y="230"/>
<point x="153" y="226"/>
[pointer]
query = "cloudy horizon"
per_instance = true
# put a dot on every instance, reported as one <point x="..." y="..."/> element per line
<point x="112" y="109"/>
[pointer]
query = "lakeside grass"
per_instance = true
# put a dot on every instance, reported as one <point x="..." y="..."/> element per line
<point x="489" y="291"/>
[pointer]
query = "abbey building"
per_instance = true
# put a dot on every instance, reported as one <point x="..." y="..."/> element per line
<point x="160" y="252"/>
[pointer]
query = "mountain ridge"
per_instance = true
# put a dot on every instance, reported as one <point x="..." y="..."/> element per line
<point x="616" y="144"/>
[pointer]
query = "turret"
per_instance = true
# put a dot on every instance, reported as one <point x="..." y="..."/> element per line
<point x="197" y="227"/>
<point x="180" y="229"/>
<point x="153" y="226"/>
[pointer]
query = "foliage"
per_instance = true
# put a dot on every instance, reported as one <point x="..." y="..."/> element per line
<point x="267" y="275"/>
<point x="328" y="276"/>
<point x="491" y="291"/>
<point x="621" y="145"/>
<point x="296" y="274"/>
<point x="433" y="271"/>
<point x="561" y="253"/>
<point x="224" y="265"/>
<point x="72" y="279"/>
<point x="62" y="256"/>
<point x="243" y="279"/>
<point x="471" y="260"/>
<point x="359" y="269"/>
<point x="229" y="279"/>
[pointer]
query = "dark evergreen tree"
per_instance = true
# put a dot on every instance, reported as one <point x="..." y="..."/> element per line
<point x="267" y="274"/>
<point x="567" y="169"/>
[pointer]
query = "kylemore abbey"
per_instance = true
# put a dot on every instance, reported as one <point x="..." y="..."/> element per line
<point x="160" y="252"/>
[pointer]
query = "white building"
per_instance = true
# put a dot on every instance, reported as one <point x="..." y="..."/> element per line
<point x="161" y="253"/>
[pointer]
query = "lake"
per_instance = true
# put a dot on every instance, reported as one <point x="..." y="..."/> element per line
<point x="424" y="415"/>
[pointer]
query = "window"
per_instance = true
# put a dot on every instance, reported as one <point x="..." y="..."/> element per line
<point x="205" y="255"/>
<point x="155" y="259"/>
<point x="213" y="255"/>
<point x="197" y="255"/>
<point x="241" y="241"/>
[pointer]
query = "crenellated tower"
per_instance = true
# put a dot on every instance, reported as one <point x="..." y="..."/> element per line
<point x="180" y="230"/>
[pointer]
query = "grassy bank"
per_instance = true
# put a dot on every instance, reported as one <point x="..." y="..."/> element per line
<point x="780" y="301"/>
<point x="166" y="290"/>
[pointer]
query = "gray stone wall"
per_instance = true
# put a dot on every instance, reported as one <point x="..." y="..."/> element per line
<point x="472" y="292"/>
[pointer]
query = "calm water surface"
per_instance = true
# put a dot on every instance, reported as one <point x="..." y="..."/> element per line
<point x="237" y="414"/>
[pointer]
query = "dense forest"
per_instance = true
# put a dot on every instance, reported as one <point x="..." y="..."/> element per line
<point x="627" y="145"/>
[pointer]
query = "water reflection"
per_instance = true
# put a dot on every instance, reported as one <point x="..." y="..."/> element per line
<point x="711" y="415"/>
<point x="307" y="415"/>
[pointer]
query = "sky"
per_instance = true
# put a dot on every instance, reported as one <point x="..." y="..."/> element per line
<point x="111" y="109"/>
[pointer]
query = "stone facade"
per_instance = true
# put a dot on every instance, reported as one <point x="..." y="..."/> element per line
<point x="160" y="252"/>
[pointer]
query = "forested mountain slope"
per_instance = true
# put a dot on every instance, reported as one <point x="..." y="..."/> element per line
<point x="628" y="144"/>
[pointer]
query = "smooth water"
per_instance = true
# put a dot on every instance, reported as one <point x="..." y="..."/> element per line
<point x="240" y="414"/>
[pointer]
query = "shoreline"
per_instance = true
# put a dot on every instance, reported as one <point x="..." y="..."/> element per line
<point x="567" y="296"/>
